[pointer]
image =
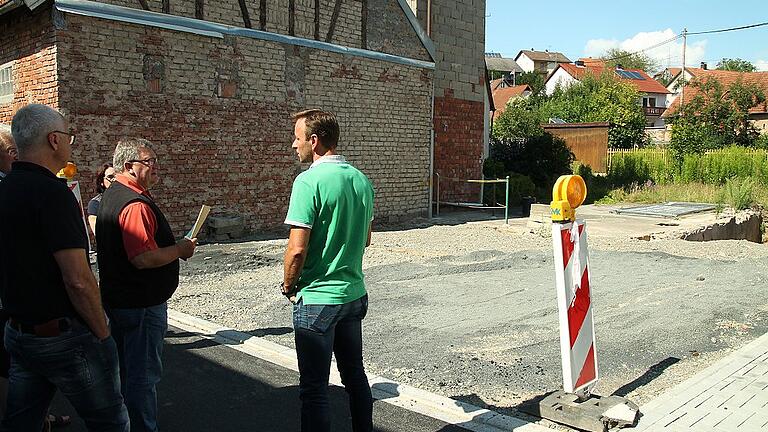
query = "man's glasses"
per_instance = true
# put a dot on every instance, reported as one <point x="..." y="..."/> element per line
<point x="150" y="162"/>
<point x="110" y="178"/>
<point x="70" y="135"/>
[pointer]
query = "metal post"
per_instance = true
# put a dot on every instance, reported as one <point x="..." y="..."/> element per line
<point x="506" y="203"/>
<point x="682" y="73"/>
<point x="437" y="199"/>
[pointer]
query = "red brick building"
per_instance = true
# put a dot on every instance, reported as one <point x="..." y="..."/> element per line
<point x="213" y="84"/>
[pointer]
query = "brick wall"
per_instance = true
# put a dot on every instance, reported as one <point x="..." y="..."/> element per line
<point x="458" y="31"/>
<point x="218" y="112"/>
<point x="386" y="27"/>
<point x="28" y="39"/>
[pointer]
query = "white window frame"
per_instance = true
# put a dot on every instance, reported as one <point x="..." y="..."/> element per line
<point x="5" y="99"/>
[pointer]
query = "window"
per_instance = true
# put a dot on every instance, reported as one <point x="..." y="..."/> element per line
<point x="649" y="102"/>
<point x="6" y="83"/>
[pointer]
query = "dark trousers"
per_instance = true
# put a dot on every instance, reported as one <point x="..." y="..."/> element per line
<point x="139" y="337"/>
<point x="83" y="368"/>
<point x="321" y="330"/>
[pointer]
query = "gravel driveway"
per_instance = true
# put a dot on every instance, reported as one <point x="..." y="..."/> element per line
<point x="468" y="310"/>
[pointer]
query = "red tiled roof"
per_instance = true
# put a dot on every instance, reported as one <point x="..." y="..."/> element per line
<point x="726" y="78"/>
<point x="502" y="95"/>
<point x="645" y="85"/>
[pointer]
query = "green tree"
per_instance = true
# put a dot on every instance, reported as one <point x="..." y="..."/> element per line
<point x="536" y="81"/>
<point x="520" y="119"/>
<point x="736" y="64"/>
<point x="717" y="116"/>
<point x="628" y="60"/>
<point x="602" y="98"/>
<point x="519" y="145"/>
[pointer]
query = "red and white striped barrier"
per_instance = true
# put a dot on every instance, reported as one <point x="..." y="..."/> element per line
<point x="574" y="301"/>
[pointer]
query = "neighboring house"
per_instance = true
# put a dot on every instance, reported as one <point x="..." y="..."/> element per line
<point x="213" y="84"/>
<point x="653" y="94"/>
<point x="543" y="62"/>
<point x="500" y="67"/>
<point x="758" y="114"/>
<point x="670" y="74"/>
<point x="503" y="92"/>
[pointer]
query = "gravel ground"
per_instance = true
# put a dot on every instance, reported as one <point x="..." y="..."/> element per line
<point x="468" y="310"/>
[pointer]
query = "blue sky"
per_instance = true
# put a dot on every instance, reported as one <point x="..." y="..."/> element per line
<point x="588" y="27"/>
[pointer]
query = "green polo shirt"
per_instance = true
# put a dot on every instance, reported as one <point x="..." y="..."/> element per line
<point x="335" y="200"/>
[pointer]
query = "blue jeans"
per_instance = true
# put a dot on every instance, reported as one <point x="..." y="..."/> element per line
<point x="319" y="331"/>
<point x="139" y="334"/>
<point x="76" y="363"/>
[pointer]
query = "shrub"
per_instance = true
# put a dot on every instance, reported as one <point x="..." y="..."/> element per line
<point x="718" y="166"/>
<point x="739" y="193"/>
<point x="542" y="158"/>
<point x="629" y="169"/>
<point x="761" y="142"/>
<point x="597" y="186"/>
<point x="520" y="186"/>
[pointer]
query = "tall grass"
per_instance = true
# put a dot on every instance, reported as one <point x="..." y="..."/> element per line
<point x="738" y="194"/>
<point x="713" y="167"/>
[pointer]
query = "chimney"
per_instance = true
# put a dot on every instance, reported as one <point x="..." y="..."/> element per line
<point x="579" y="63"/>
<point x="704" y="65"/>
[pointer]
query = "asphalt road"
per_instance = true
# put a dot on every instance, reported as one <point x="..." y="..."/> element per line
<point x="210" y="387"/>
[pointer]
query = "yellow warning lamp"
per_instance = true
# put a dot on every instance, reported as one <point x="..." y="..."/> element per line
<point x="569" y="193"/>
<point x="68" y="172"/>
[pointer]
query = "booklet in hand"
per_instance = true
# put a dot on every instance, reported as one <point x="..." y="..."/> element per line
<point x="199" y="222"/>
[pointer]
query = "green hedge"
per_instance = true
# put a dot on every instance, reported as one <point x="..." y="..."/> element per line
<point x="714" y="167"/>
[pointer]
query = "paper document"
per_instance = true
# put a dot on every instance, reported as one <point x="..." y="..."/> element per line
<point x="199" y="222"/>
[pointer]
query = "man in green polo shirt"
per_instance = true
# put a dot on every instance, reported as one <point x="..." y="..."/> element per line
<point x="330" y="216"/>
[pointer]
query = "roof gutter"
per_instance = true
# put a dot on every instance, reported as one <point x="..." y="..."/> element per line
<point x="211" y="29"/>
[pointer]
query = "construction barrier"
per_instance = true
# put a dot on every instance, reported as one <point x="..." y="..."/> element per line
<point x="574" y="300"/>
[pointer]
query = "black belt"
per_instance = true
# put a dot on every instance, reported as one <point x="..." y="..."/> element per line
<point x="52" y="328"/>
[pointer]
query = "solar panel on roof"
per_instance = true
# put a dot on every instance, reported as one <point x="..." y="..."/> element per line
<point x="629" y="74"/>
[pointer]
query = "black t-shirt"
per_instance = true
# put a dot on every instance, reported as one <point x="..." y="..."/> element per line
<point x="39" y="216"/>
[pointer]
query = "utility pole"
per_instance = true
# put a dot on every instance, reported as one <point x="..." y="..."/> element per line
<point x="682" y="73"/>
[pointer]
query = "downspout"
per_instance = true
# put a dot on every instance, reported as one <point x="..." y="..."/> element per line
<point x="429" y="18"/>
<point x="432" y="153"/>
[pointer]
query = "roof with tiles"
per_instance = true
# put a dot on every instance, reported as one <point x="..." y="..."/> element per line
<point x="548" y="56"/>
<point x="642" y="82"/>
<point x="726" y="78"/>
<point x="502" y="94"/>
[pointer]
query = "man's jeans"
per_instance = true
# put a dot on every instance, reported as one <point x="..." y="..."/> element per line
<point x="319" y="331"/>
<point x="139" y="334"/>
<point x="76" y="363"/>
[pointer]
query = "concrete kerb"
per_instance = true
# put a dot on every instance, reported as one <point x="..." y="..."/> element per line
<point x="468" y="416"/>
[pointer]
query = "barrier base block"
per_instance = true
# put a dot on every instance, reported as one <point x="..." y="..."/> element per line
<point x="596" y="414"/>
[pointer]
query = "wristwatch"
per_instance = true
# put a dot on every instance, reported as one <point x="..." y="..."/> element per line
<point x="290" y="293"/>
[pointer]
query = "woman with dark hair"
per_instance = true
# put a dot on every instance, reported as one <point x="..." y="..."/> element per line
<point x="104" y="179"/>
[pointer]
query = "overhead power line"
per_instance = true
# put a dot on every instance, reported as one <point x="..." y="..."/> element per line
<point x="729" y="29"/>
<point x="672" y="39"/>
<point x="676" y="37"/>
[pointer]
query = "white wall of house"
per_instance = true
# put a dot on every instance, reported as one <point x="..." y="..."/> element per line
<point x="674" y="88"/>
<point x="561" y="77"/>
<point x="525" y="63"/>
